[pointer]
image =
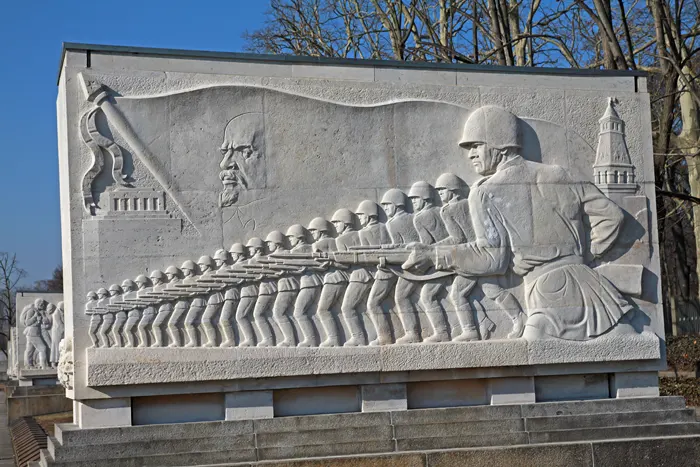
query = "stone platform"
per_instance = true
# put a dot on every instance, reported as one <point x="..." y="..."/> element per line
<point x="604" y="429"/>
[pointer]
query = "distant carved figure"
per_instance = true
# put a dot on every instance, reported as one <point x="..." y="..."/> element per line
<point x="431" y="229"/>
<point x="310" y="284"/>
<point x="215" y="299"/>
<point x="287" y="289"/>
<point x="57" y="330"/>
<point x="232" y="297"/>
<point x="35" y="351"/>
<point x="134" y="316"/>
<point x="95" y="319"/>
<point x="267" y="291"/>
<point x="249" y="295"/>
<point x="176" y="276"/>
<point x="199" y="298"/>
<point x="117" y="303"/>
<point x="335" y="281"/>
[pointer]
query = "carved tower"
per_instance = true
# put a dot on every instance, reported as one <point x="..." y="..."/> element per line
<point x="613" y="171"/>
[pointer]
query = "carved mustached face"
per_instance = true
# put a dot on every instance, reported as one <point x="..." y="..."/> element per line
<point x="445" y="194"/>
<point x="241" y="152"/>
<point x="484" y="159"/>
<point x="418" y="204"/>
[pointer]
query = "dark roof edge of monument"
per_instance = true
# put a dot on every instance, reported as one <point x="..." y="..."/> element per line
<point x="264" y="58"/>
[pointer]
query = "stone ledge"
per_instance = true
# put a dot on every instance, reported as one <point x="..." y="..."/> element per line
<point x="118" y="367"/>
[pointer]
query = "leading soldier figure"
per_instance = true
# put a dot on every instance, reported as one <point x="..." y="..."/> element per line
<point x="531" y="215"/>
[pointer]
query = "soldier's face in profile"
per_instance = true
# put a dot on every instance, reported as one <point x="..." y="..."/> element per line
<point x="169" y="276"/>
<point x="389" y="209"/>
<point x="218" y="263"/>
<point x="293" y="241"/>
<point x="315" y="234"/>
<point x="482" y="159"/>
<point x="339" y="226"/>
<point x="445" y="194"/>
<point x="418" y="204"/>
<point x="364" y="219"/>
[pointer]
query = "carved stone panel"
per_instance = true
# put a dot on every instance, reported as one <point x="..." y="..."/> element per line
<point x="40" y="326"/>
<point x="297" y="227"/>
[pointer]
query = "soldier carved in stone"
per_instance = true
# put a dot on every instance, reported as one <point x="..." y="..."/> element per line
<point x="232" y="296"/>
<point x="175" y="277"/>
<point x="249" y="295"/>
<point x="57" y="331"/>
<point x="216" y="299"/>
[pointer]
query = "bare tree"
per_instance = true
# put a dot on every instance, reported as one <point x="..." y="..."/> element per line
<point x="10" y="275"/>
<point x="55" y="284"/>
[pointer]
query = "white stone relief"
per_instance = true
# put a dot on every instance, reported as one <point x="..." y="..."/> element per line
<point x="613" y="171"/>
<point x="65" y="363"/>
<point x="44" y="328"/>
<point x="522" y="219"/>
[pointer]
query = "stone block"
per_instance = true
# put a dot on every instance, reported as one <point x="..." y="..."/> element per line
<point x="640" y="384"/>
<point x="619" y="432"/>
<point x="335" y="436"/>
<point x="322" y="422"/>
<point x="475" y="440"/>
<point x="603" y="406"/>
<point x="571" y="455"/>
<point x="104" y="413"/>
<point x="312" y="401"/>
<point x="433" y="394"/>
<point x="181" y="408"/>
<point x="319" y="450"/>
<point x="511" y="390"/>
<point x="455" y="414"/>
<point x="393" y="460"/>
<point x="446" y="430"/>
<point x="571" y="387"/>
<point x="383" y="397"/>
<point x="570" y="422"/>
<point x="680" y="451"/>
<point x="249" y="405"/>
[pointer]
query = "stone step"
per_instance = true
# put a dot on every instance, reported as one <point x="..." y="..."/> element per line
<point x="615" y="432"/>
<point x="568" y="422"/>
<point x="196" y="458"/>
<point x="637" y="404"/>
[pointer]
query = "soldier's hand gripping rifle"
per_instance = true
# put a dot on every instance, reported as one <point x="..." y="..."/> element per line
<point x="390" y="256"/>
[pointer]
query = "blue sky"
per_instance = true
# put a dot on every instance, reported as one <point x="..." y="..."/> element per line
<point x="31" y="34"/>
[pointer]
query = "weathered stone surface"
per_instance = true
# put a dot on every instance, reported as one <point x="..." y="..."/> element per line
<point x="572" y="455"/>
<point x="642" y="404"/>
<point x="571" y="422"/>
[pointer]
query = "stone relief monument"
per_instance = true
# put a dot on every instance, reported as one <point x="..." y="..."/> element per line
<point x="351" y="231"/>
<point x="39" y="330"/>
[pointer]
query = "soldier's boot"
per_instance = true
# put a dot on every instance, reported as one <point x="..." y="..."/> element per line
<point x="227" y="335"/>
<point x="95" y="342"/>
<point x="357" y="336"/>
<point x="266" y="334"/>
<point x="383" y="332"/>
<point x="157" y="337"/>
<point x="143" y="336"/>
<point x="466" y="321"/>
<point x="331" y="329"/>
<point x="287" y="329"/>
<point x="410" y="337"/>
<point x="210" y="332"/>
<point x="191" y="336"/>
<point x="174" y="334"/>
<point x="131" y="338"/>
<point x="116" y="338"/>
<point x="439" y="324"/>
<point x="41" y="359"/>
<point x="247" y="334"/>
<point x="307" y="330"/>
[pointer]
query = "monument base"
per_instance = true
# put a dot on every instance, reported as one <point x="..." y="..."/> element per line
<point x="558" y="433"/>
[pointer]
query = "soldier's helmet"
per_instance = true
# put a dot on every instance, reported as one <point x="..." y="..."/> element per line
<point x="140" y="280"/>
<point x="116" y="289"/>
<point x="238" y="248"/>
<point x="173" y="271"/>
<point x="296" y="230"/>
<point x="492" y="125"/>
<point x="158" y="274"/>
<point x="343" y="215"/>
<point x="394" y="196"/>
<point x="205" y="261"/>
<point x="59" y="305"/>
<point x="275" y="237"/>
<point x="221" y="255"/>
<point x="320" y="224"/>
<point x="102" y="292"/>
<point x="128" y="284"/>
<point x="421" y="190"/>
<point x="255" y="242"/>
<point x="368" y="208"/>
<point x="91" y="295"/>
<point x="189" y="265"/>
<point x="41" y="303"/>
<point x="450" y="181"/>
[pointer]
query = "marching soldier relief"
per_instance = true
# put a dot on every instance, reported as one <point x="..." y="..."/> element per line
<point x="247" y="239"/>
<point x="437" y="251"/>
